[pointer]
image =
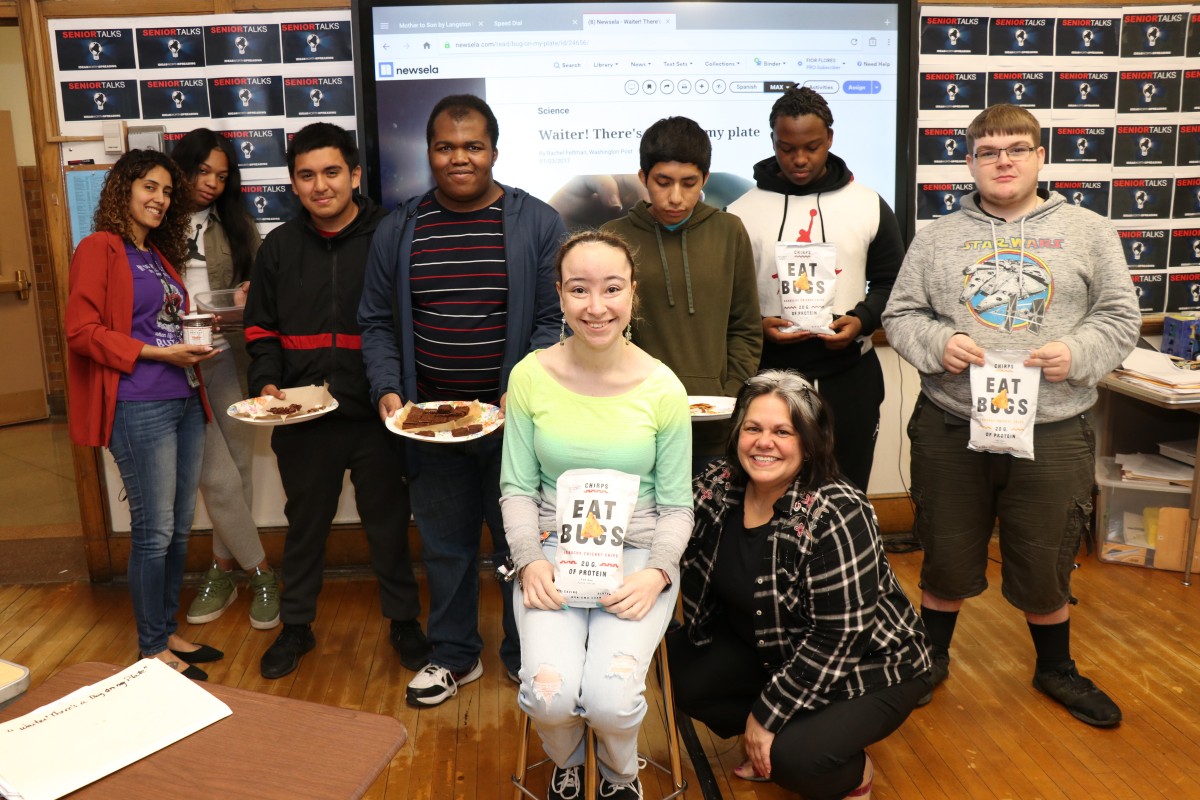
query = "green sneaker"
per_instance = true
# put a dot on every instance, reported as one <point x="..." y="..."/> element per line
<point x="216" y="594"/>
<point x="264" y="600"/>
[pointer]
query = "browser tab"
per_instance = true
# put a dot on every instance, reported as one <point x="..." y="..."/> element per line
<point x="628" y="23"/>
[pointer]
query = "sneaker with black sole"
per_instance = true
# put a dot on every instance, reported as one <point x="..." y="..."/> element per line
<point x="620" y="791"/>
<point x="434" y="685"/>
<point x="566" y="783"/>
<point x="409" y="641"/>
<point x="216" y="594"/>
<point x="938" y="672"/>
<point x="283" y="656"/>
<point x="1078" y="695"/>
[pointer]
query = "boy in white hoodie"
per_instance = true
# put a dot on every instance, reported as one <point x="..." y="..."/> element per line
<point x="1069" y="302"/>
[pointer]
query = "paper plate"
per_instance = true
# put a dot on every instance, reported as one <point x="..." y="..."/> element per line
<point x="706" y="407"/>
<point x="255" y="410"/>
<point x="489" y="418"/>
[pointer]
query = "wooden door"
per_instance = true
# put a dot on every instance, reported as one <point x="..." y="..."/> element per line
<point x="22" y="365"/>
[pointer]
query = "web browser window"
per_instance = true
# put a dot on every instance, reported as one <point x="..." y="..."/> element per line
<point x="574" y="85"/>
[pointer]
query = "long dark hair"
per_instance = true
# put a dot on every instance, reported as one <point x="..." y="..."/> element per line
<point x="810" y="416"/>
<point x="189" y="153"/>
<point x="112" y="210"/>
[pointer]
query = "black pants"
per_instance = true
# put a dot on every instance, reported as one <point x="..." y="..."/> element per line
<point x="855" y="395"/>
<point x="313" y="458"/>
<point x="818" y="754"/>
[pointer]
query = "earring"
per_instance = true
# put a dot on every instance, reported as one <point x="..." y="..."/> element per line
<point x="629" y="333"/>
<point x="562" y="332"/>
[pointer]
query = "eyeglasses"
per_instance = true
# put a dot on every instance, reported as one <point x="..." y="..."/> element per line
<point x="1016" y="152"/>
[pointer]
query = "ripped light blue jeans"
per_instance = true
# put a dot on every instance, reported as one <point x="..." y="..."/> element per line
<point x="586" y="665"/>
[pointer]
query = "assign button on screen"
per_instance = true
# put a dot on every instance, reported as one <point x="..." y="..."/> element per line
<point x="862" y="87"/>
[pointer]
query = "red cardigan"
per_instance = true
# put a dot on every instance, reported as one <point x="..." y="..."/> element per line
<point x="98" y="322"/>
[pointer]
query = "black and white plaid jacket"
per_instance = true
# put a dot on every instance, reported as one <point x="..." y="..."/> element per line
<point x="833" y="622"/>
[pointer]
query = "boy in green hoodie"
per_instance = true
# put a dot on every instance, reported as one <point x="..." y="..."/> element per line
<point x="698" y="311"/>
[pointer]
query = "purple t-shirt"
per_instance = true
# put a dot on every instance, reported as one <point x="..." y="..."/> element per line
<point x="155" y="324"/>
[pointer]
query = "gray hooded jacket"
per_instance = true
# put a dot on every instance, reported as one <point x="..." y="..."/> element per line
<point x="1056" y="274"/>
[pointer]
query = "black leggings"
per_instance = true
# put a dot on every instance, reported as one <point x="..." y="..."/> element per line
<point x="818" y="754"/>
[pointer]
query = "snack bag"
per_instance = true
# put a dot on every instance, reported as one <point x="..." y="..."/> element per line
<point x="1004" y="396"/>
<point x="807" y="275"/>
<point x="594" y="510"/>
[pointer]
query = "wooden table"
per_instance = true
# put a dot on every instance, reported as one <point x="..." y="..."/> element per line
<point x="269" y="747"/>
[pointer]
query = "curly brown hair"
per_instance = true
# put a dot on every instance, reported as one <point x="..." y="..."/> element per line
<point x="112" y="212"/>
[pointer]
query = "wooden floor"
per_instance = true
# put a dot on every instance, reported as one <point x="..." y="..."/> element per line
<point x="987" y="734"/>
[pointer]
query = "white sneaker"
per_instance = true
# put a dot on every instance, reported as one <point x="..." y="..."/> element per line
<point x="434" y="685"/>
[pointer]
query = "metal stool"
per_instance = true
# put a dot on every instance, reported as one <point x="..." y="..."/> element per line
<point x="591" y="774"/>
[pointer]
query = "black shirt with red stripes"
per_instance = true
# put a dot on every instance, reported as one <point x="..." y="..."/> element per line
<point x="301" y="314"/>
<point x="459" y="290"/>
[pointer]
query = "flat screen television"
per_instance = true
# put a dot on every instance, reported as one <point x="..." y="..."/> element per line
<point x="573" y="85"/>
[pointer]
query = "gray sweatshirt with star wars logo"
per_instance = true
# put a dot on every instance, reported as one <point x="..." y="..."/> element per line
<point x="1056" y="274"/>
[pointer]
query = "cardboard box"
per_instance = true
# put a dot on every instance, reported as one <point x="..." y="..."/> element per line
<point x="1117" y="553"/>
<point x="1171" y="543"/>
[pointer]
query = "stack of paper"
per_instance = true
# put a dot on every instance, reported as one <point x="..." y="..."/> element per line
<point x="1161" y="372"/>
<point x="1148" y="468"/>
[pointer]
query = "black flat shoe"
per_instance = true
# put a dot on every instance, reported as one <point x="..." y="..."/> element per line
<point x="202" y="656"/>
<point x="195" y="673"/>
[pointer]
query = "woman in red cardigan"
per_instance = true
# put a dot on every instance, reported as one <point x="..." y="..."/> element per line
<point x="134" y="386"/>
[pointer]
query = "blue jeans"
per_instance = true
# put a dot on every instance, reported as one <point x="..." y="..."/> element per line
<point x="588" y="665"/>
<point x="454" y="488"/>
<point x="158" y="446"/>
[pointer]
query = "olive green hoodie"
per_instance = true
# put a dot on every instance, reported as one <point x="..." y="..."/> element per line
<point x="697" y="303"/>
